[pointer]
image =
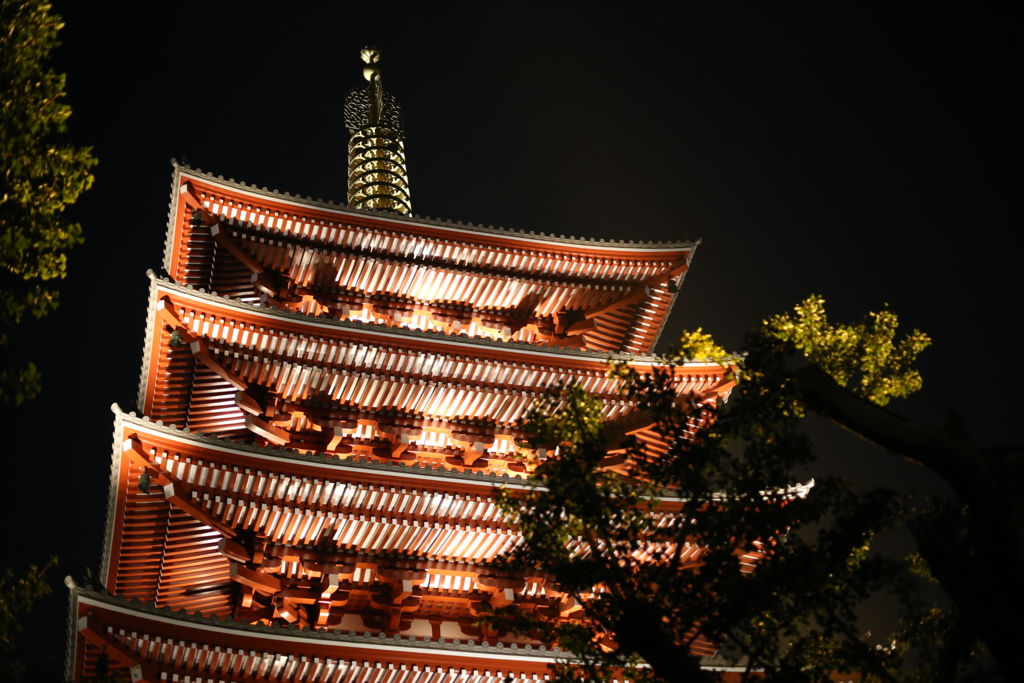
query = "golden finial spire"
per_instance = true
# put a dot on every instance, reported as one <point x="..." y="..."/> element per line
<point x="377" y="175"/>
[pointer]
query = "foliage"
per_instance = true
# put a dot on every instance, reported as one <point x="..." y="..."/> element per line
<point x="20" y="384"/>
<point x="655" y="556"/>
<point x="39" y="177"/>
<point x="18" y="593"/>
<point x="699" y="345"/>
<point x="861" y="356"/>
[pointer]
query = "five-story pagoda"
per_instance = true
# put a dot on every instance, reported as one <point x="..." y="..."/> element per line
<point x="328" y="397"/>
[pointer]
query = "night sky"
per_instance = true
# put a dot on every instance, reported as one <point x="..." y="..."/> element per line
<point x="866" y="156"/>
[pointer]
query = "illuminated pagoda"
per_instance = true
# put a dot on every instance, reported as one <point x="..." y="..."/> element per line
<point x="328" y="397"/>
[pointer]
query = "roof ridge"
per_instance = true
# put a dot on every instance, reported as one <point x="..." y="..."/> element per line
<point x="406" y="332"/>
<point x="334" y="635"/>
<point x="427" y="220"/>
<point x="356" y="462"/>
<point x="424" y="644"/>
<point x="798" y="490"/>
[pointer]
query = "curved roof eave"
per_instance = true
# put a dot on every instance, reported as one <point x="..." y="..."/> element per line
<point x="397" y="333"/>
<point x="455" y="227"/>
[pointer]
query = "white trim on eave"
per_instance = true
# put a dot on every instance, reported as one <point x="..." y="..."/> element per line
<point x="538" y="241"/>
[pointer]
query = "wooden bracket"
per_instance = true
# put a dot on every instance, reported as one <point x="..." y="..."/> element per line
<point x="166" y="313"/>
<point x="580" y="327"/>
<point x="340" y="431"/>
<point x="234" y="550"/>
<point x="259" y="581"/>
<point x="201" y="352"/>
<point x="190" y="196"/>
<point x="273" y="434"/>
<point x="401" y="437"/>
<point x="474" y="446"/>
<point x="502" y="598"/>
<point x="247" y="404"/>
<point x="94" y="632"/>
<point x="177" y="493"/>
<point x="638" y="293"/>
<point x="224" y="239"/>
<point x="263" y="284"/>
<point x="133" y="450"/>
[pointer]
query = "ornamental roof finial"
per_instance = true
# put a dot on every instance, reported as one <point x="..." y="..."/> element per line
<point x="377" y="174"/>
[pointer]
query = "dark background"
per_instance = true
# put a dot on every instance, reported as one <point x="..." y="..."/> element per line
<point x="865" y="155"/>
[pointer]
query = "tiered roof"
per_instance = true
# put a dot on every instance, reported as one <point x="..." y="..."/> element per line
<point x="329" y="398"/>
<point x="320" y="384"/>
<point x="334" y="539"/>
<point x="158" y="644"/>
<point x="394" y="270"/>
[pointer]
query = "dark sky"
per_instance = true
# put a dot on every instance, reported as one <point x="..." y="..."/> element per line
<point x="864" y="155"/>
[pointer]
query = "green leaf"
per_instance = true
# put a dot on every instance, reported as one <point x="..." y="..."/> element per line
<point x="39" y="178"/>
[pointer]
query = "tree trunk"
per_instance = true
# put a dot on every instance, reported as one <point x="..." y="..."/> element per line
<point x="638" y="631"/>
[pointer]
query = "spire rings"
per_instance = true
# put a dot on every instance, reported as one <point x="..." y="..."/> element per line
<point x="377" y="176"/>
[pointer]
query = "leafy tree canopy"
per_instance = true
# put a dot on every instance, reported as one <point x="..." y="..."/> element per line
<point x="862" y="356"/>
<point x="753" y="562"/>
<point x="40" y="177"/>
<point x="18" y="593"/>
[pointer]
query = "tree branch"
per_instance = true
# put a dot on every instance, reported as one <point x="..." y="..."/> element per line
<point x="981" y="572"/>
<point x="983" y="481"/>
<point x="934" y="450"/>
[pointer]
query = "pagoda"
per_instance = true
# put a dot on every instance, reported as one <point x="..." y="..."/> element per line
<point x="329" y="395"/>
